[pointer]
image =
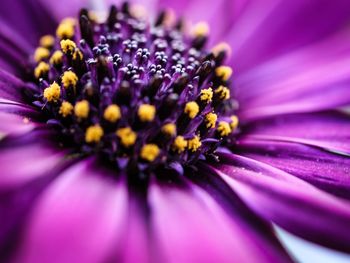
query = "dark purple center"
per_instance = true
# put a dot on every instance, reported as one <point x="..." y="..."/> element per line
<point x="140" y="96"/>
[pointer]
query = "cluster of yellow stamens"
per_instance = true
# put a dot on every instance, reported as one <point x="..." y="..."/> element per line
<point x="53" y="92"/>
<point x="42" y="69"/>
<point x="69" y="79"/>
<point x="206" y="95"/>
<point x="210" y="120"/>
<point x="41" y="53"/>
<point x="191" y="109"/>
<point x="224" y="128"/>
<point x="66" y="109"/>
<point x="66" y="28"/>
<point x="146" y="112"/>
<point x="201" y="29"/>
<point x="127" y="136"/>
<point x="169" y="129"/>
<point x="179" y="144"/>
<point x="94" y="134"/>
<point x="82" y="109"/>
<point x="224" y="72"/>
<point x="112" y="113"/>
<point x="223" y="93"/>
<point x="194" y="144"/>
<point x="149" y="152"/>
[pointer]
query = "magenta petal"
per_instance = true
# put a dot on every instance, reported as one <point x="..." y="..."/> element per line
<point x="27" y="157"/>
<point x="291" y="203"/>
<point x="79" y="218"/>
<point x="298" y="82"/>
<point x="326" y="170"/>
<point x="189" y="226"/>
<point x="11" y="87"/>
<point x="328" y="130"/>
<point x="269" y="28"/>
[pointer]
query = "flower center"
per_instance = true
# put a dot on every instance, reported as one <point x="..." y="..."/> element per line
<point x="140" y="95"/>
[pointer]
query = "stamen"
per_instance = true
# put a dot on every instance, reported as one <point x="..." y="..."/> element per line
<point x="211" y="119"/>
<point x="82" y="109"/>
<point x="68" y="46"/>
<point x="179" y="144"/>
<point x="66" y="109"/>
<point x="224" y="128"/>
<point x="94" y="134"/>
<point x="191" y="109"/>
<point x="221" y="47"/>
<point x="146" y="112"/>
<point x="127" y="136"/>
<point x="47" y="41"/>
<point x="112" y="113"/>
<point x="223" y="93"/>
<point x="41" y="53"/>
<point x="66" y="29"/>
<point x="149" y="152"/>
<point x="52" y="93"/>
<point x="42" y="69"/>
<point x="194" y="144"/>
<point x="224" y="72"/>
<point x="56" y="58"/>
<point x="206" y="95"/>
<point x="234" y="122"/>
<point x="169" y="129"/>
<point x="69" y="79"/>
<point x="201" y="29"/>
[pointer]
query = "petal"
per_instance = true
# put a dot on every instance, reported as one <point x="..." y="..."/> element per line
<point x="15" y="49"/>
<point x="27" y="157"/>
<point x="268" y="28"/>
<point x="77" y="219"/>
<point x="328" y="130"/>
<point x="326" y="170"/>
<point x="189" y="226"/>
<point x="298" y="82"/>
<point x="298" y="207"/>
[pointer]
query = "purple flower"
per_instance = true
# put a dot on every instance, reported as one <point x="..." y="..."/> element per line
<point x="125" y="140"/>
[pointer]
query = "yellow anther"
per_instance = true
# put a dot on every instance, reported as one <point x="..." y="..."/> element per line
<point x="41" y="53"/>
<point x="66" y="109"/>
<point x="94" y="134"/>
<point x="69" y="21"/>
<point x="206" y="95"/>
<point x="169" y="129"/>
<point x="77" y="55"/>
<point x="201" y="29"/>
<point x="69" y="79"/>
<point x="149" y="152"/>
<point x="47" y="41"/>
<point x="224" y="128"/>
<point x="222" y="47"/>
<point x="191" y="109"/>
<point x="66" y="28"/>
<point x="210" y="120"/>
<point x="56" y="57"/>
<point x="53" y="92"/>
<point x="127" y="136"/>
<point x="194" y="144"/>
<point x="68" y="46"/>
<point x="146" y="112"/>
<point x="41" y="69"/>
<point x="223" y="92"/>
<point x="82" y="109"/>
<point x="112" y="113"/>
<point x="179" y="144"/>
<point x="138" y="11"/>
<point x="224" y="72"/>
<point x="234" y="122"/>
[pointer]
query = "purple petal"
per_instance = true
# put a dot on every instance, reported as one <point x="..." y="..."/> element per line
<point x="291" y="203"/>
<point x="11" y="87"/>
<point x="189" y="226"/>
<point x="77" y="219"/>
<point x="15" y="50"/>
<point x="27" y="157"/>
<point x="328" y="130"/>
<point x="269" y="28"/>
<point x="326" y="170"/>
<point x="298" y="82"/>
